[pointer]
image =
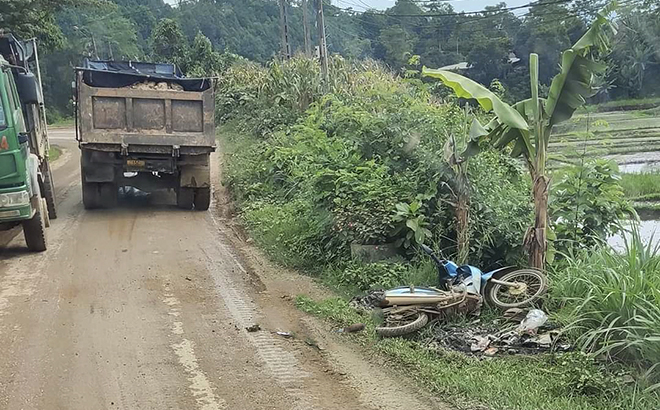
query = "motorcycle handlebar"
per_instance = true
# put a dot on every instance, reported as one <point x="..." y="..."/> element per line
<point x="432" y="254"/>
<point x="426" y="249"/>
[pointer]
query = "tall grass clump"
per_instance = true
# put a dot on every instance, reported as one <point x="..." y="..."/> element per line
<point x="612" y="301"/>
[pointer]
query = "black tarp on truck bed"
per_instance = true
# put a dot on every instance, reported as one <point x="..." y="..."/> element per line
<point x="117" y="74"/>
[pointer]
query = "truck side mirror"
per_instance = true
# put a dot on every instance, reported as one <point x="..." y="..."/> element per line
<point x="28" y="88"/>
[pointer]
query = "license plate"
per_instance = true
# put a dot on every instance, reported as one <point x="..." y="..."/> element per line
<point x="136" y="163"/>
<point x="9" y="214"/>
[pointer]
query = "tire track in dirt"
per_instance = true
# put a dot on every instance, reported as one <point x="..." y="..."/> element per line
<point x="200" y="386"/>
<point x="283" y="365"/>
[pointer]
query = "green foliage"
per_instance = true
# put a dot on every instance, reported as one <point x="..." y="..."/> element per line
<point x="548" y="382"/>
<point x="584" y="376"/>
<point x="93" y="29"/>
<point x="198" y="59"/>
<point x="250" y="28"/>
<point x="168" y="43"/>
<point x="292" y="232"/>
<point x="412" y="222"/>
<point x="372" y="143"/>
<point x="501" y="210"/>
<point x="335" y="309"/>
<point x="379" y="275"/>
<point x="612" y="301"/>
<point x="587" y="203"/>
<point x="36" y="18"/>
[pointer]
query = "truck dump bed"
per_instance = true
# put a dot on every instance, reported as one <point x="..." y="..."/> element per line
<point x="143" y="107"/>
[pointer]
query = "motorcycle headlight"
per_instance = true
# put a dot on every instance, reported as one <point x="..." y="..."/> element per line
<point x="13" y="199"/>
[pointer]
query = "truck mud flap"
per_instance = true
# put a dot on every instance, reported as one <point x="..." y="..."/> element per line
<point x="195" y="176"/>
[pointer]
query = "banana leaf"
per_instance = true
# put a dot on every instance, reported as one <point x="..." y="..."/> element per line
<point x="466" y="88"/>
<point x="573" y="85"/>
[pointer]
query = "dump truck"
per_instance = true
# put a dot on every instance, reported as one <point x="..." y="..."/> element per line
<point x="143" y="125"/>
<point x="27" y="194"/>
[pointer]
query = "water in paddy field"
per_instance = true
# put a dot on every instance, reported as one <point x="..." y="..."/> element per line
<point x="640" y="167"/>
<point x="649" y="230"/>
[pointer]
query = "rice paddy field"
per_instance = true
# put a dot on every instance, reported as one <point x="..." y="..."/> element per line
<point x="631" y="137"/>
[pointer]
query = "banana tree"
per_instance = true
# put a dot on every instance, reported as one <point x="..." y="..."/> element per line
<point x="527" y="125"/>
<point x="460" y="185"/>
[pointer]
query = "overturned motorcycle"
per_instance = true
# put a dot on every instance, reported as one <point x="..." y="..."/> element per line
<point x="460" y="289"/>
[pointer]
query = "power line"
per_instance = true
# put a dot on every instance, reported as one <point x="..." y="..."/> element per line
<point x="466" y="13"/>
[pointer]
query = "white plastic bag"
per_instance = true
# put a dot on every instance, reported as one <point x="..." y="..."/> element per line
<point x="535" y="319"/>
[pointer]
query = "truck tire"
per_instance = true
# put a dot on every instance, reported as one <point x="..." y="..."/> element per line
<point x="90" y="194"/>
<point x="202" y="199"/>
<point x="185" y="198"/>
<point x="35" y="231"/>
<point x="109" y="195"/>
<point x="49" y="191"/>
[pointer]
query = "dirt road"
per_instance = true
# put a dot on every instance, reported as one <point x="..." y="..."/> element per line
<point x="146" y="307"/>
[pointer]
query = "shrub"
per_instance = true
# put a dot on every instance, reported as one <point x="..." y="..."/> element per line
<point x="586" y="204"/>
<point x="382" y="275"/>
<point x="501" y="209"/>
<point x="292" y="233"/>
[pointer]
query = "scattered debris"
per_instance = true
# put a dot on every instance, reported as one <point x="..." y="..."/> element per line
<point x="188" y="279"/>
<point x="254" y="328"/>
<point x="514" y="314"/>
<point x="534" y="319"/>
<point x="368" y="302"/>
<point x="529" y="337"/>
<point x="354" y="328"/>
<point x="479" y="344"/>
<point x="284" y="334"/>
<point x="491" y="351"/>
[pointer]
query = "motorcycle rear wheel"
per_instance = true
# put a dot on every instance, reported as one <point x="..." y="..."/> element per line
<point x="399" y="330"/>
<point x="503" y="297"/>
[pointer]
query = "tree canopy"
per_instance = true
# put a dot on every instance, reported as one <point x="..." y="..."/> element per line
<point x="493" y="44"/>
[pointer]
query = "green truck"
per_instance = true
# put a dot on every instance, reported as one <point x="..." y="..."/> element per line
<point x="26" y="182"/>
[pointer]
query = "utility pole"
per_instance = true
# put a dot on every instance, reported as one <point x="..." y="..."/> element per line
<point x="323" y="45"/>
<point x="96" y="51"/>
<point x="284" y="28"/>
<point x="308" y="34"/>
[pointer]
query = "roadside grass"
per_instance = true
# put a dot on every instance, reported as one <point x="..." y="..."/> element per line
<point x="62" y="122"/>
<point x="547" y="382"/>
<point x="54" y="153"/>
<point x="611" y="301"/>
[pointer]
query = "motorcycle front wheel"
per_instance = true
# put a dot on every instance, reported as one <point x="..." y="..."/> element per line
<point x="403" y="324"/>
<point x="532" y="285"/>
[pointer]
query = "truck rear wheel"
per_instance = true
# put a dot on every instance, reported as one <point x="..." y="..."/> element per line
<point x="185" y="198"/>
<point x="202" y="199"/>
<point x="49" y="191"/>
<point x="35" y="230"/>
<point x="91" y="195"/>
<point x="109" y="195"/>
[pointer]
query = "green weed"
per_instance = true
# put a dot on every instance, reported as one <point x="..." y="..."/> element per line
<point x="54" y="153"/>
<point x="555" y="382"/>
<point x="612" y="300"/>
<point x="639" y="186"/>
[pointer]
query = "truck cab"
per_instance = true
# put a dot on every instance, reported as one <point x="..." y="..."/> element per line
<point x="24" y="170"/>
